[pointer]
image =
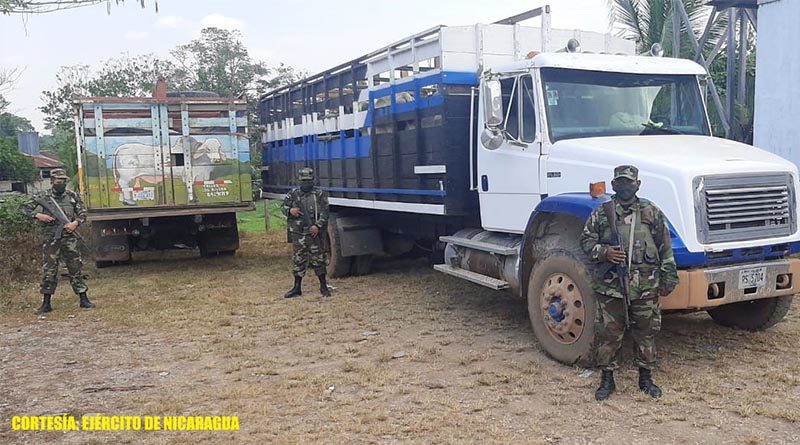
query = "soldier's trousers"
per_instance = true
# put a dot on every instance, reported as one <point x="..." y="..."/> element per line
<point x="66" y="250"/>
<point x="309" y="252"/>
<point x="645" y="323"/>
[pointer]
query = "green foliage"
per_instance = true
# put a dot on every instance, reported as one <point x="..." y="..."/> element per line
<point x="651" y="21"/>
<point x="123" y="76"/>
<point x="218" y="61"/>
<point x="13" y="221"/>
<point x="11" y="124"/>
<point x="62" y="142"/>
<point x="15" y="165"/>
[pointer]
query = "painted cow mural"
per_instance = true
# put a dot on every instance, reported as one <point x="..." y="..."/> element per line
<point x="135" y="162"/>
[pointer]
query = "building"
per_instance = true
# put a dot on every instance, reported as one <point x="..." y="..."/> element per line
<point x="777" y="71"/>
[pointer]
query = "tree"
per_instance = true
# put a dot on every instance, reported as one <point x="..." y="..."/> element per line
<point x="8" y="7"/>
<point x="218" y="61"/>
<point x="11" y="124"/>
<point x="122" y="76"/>
<point x="15" y="165"/>
<point x="648" y="22"/>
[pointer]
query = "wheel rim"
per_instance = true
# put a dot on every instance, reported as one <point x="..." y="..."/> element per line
<point x="563" y="311"/>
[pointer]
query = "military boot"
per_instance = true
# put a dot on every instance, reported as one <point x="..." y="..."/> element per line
<point x="85" y="303"/>
<point x="607" y="385"/>
<point x="297" y="290"/>
<point x="323" y="286"/>
<point x="646" y="384"/>
<point x="45" y="307"/>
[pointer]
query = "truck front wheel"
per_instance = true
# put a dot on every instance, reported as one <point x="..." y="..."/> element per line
<point x="562" y="308"/>
<point x="755" y="315"/>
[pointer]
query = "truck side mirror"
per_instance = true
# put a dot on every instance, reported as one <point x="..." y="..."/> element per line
<point x="492" y="138"/>
<point x="492" y="103"/>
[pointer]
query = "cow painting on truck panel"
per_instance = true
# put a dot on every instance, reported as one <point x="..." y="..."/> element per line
<point x="135" y="164"/>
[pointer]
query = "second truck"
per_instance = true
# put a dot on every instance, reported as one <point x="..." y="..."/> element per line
<point x="488" y="146"/>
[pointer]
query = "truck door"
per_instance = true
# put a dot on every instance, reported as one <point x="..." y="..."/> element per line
<point x="508" y="176"/>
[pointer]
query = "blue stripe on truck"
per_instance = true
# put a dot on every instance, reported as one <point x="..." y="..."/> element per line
<point x="581" y="205"/>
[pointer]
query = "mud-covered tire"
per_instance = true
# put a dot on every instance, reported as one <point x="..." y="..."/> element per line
<point x="338" y="265"/>
<point x="755" y="315"/>
<point x="564" y="264"/>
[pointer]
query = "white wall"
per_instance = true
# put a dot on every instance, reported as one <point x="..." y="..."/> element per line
<point x="777" y="113"/>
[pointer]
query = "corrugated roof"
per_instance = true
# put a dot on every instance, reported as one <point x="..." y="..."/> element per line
<point x="45" y="162"/>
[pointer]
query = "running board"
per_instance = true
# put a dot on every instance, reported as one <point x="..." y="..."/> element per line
<point x="479" y="245"/>
<point x="483" y="280"/>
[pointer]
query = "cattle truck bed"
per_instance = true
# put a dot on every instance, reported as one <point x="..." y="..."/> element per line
<point x="390" y="130"/>
<point x="166" y="154"/>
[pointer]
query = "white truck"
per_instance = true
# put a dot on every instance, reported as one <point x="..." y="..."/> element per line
<point x="489" y="146"/>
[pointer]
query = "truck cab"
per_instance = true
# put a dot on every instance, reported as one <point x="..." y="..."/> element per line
<point x="553" y="124"/>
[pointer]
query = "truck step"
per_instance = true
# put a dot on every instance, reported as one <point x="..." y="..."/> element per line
<point x="479" y="245"/>
<point x="483" y="280"/>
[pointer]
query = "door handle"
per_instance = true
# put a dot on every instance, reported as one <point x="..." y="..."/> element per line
<point x="484" y="183"/>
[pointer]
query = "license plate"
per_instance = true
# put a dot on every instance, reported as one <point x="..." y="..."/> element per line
<point x="752" y="277"/>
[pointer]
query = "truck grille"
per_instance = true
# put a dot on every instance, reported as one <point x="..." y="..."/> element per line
<point x="744" y="207"/>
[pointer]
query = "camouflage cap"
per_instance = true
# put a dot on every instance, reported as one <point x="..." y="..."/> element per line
<point x="626" y="171"/>
<point x="305" y="174"/>
<point x="58" y="173"/>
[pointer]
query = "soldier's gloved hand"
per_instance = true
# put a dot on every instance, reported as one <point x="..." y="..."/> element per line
<point x="295" y="211"/>
<point x="44" y="218"/>
<point x="615" y="254"/>
<point x="314" y="230"/>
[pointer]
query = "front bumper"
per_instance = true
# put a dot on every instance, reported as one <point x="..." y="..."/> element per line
<point x="695" y="290"/>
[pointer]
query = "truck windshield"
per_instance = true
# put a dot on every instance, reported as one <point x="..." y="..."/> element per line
<point x="592" y="103"/>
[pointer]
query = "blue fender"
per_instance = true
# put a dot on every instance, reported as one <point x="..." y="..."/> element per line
<point x="581" y="205"/>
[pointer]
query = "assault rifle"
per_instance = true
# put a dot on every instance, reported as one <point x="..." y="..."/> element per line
<point x="52" y="206"/>
<point x="623" y="268"/>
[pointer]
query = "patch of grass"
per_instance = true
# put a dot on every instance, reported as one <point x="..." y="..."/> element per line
<point x="253" y="221"/>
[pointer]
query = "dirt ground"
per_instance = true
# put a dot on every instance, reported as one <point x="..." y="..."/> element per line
<point x="404" y="355"/>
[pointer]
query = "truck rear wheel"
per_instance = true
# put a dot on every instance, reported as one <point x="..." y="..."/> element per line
<point x="562" y="308"/>
<point x="755" y="315"/>
<point x="338" y="265"/>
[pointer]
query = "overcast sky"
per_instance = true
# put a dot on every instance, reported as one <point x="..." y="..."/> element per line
<point x="311" y="35"/>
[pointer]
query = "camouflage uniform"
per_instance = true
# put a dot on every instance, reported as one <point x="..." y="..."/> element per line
<point x="308" y="251"/>
<point x="652" y="272"/>
<point x="55" y="248"/>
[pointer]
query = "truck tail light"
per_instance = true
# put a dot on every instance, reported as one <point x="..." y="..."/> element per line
<point x="597" y="189"/>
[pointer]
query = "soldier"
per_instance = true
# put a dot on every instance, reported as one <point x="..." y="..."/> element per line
<point x="647" y="251"/>
<point x="61" y="238"/>
<point x="306" y="210"/>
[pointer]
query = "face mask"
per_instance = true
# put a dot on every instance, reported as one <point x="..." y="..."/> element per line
<point x="625" y="191"/>
<point x="59" y="188"/>
<point x="306" y="187"/>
